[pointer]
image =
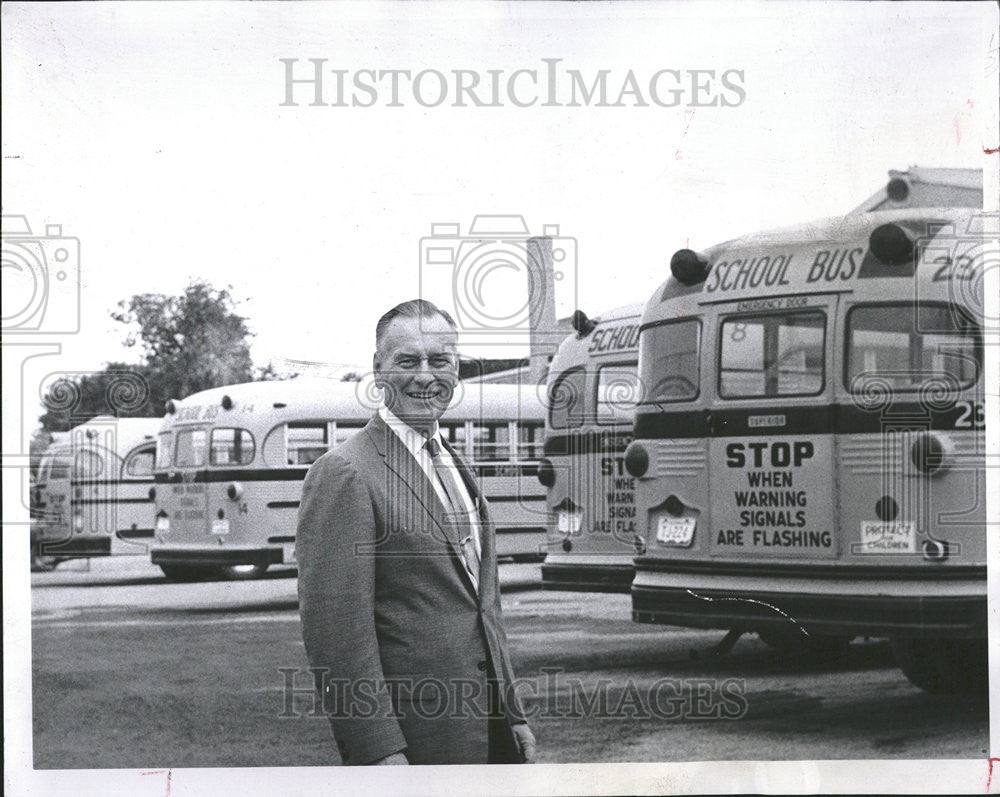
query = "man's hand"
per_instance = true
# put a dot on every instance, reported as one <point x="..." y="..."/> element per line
<point x="395" y="758"/>
<point x="525" y="742"/>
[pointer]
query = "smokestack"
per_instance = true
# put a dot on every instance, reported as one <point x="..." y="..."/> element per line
<point x="541" y="307"/>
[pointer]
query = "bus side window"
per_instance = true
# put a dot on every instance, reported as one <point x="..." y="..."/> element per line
<point x="342" y="432"/>
<point x="529" y="440"/>
<point x="305" y="442"/>
<point x="231" y="447"/>
<point x="139" y="465"/>
<point x="491" y="442"/>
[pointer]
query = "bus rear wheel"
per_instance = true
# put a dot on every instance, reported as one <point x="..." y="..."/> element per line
<point x="944" y="666"/>
<point x="796" y="642"/>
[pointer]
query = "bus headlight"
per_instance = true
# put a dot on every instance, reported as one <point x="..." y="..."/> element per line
<point x="234" y="491"/>
<point x="636" y="459"/>
<point x="546" y="473"/>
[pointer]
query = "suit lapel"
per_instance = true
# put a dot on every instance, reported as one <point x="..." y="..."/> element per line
<point x="402" y="464"/>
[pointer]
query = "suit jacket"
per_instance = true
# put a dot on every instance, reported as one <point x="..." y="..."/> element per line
<point x="403" y="642"/>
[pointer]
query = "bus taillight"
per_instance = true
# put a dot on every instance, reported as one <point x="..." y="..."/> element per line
<point x="928" y="454"/>
<point x="546" y="473"/>
<point x="636" y="459"/>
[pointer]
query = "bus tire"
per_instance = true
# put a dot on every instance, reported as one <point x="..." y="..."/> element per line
<point x="189" y="573"/>
<point x="243" y="572"/>
<point x="794" y="642"/>
<point x="944" y="666"/>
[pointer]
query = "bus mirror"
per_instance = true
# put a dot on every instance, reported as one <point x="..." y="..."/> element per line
<point x="688" y="267"/>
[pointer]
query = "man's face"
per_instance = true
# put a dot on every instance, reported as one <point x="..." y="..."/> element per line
<point x="417" y="369"/>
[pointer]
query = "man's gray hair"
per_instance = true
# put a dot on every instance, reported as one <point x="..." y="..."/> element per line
<point x="414" y="308"/>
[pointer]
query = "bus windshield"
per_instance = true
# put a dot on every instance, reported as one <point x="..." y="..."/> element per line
<point x="908" y="346"/>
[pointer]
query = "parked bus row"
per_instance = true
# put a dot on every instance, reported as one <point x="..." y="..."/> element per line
<point x="213" y="487"/>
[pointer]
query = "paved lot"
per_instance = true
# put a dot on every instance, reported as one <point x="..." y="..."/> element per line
<point x="133" y="671"/>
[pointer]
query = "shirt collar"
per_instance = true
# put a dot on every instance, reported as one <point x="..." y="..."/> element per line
<point x="412" y="439"/>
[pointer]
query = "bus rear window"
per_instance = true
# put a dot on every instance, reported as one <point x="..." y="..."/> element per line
<point x="191" y="448"/>
<point x="88" y="464"/>
<point x="139" y="465"/>
<point x="772" y="355"/>
<point x="617" y="393"/>
<point x="164" y="450"/>
<point x="59" y="469"/>
<point x="566" y="399"/>
<point x="670" y="361"/>
<point x="906" y="346"/>
<point x="231" y="447"/>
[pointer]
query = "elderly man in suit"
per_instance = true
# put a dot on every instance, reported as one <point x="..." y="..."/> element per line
<point x="398" y="587"/>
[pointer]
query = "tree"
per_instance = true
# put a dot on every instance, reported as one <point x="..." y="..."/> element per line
<point x="189" y="343"/>
<point x="194" y="341"/>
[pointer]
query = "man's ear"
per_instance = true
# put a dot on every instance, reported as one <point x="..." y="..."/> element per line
<point x="377" y="368"/>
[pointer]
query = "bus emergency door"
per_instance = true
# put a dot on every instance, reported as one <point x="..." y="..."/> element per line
<point x="770" y="430"/>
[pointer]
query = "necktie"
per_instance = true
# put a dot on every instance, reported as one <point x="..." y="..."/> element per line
<point x="457" y="510"/>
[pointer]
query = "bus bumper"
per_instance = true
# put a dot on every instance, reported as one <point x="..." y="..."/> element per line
<point x="578" y="577"/>
<point x="76" y="546"/>
<point x="890" y="603"/>
<point x="214" y="557"/>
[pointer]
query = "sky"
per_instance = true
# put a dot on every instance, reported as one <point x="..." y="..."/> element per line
<point x="160" y="138"/>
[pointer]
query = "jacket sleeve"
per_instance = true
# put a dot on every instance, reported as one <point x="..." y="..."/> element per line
<point x="334" y="544"/>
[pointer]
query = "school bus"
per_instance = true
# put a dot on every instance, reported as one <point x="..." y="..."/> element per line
<point x="809" y="451"/>
<point x="92" y="492"/>
<point x="230" y="464"/>
<point x="592" y="392"/>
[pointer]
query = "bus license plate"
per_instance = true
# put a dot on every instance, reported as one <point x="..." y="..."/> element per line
<point x="220" y="526"/>
<point x="675" y="531"/>
<point x="569" y="522"/>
